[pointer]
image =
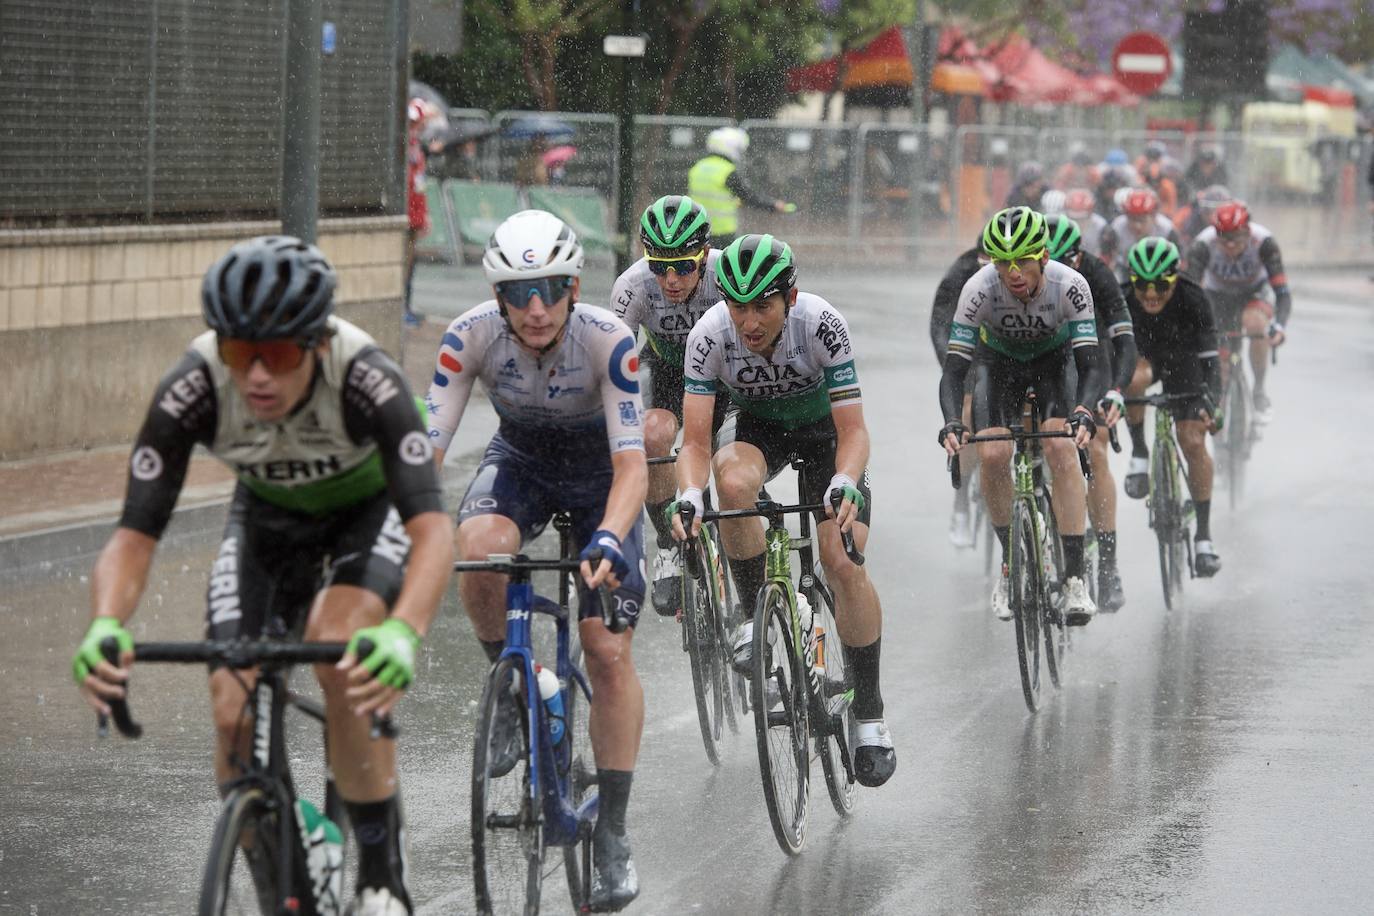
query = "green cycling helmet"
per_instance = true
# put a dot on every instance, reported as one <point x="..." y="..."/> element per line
<point x="1152" y="257"/>
<point x="756" y="267"/>
<point x="1016" y="232"/>
<point x="673" y="225"/>
<point x="1065" y="238"/>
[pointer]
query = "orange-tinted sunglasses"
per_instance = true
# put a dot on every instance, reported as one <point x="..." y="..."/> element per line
<point x="277" y="356"/>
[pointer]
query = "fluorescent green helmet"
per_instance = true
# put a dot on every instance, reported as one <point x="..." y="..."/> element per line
<point x="673" y="225"/>
<point x="1016" y="232"/>
<point x="1152" y="258"/>
<point x="755" y="267"/>
<point x="1065" y="238"/>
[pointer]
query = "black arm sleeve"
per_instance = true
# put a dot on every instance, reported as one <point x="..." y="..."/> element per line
<point x="947" y="300"/>
<point x="184" y="411"/>
<point x="1272" y="260"/>
<point x="1199" y="256"/>
<point x="1110" y="308"/>
<point x="1089" y="377"/>
<point x="387" y="414"/>
<point x="952" y="387"/>
<point x="737" y="186"/>
<point x="1205" y="322"/>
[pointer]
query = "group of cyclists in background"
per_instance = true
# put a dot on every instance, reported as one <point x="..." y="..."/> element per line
<point x="337" y="528"/>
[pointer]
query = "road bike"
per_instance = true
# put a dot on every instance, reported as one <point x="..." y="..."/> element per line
<point x="269" y="852"/>
<point x="1035" y="559"/>
<point x="800" y="689"/>
<point x="707" y="617"/>
<point x="531" y="793"/>
<point x="1241" y="432"/>
<point x="1170" y="511"/>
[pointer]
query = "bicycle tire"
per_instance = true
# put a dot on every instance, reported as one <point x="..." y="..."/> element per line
<point x="732" y="684"/>
<point x="237" y="880"/>
<point x="836" y="696"/>
<point x="1025" y="589"/>
<point x="783" y="734"/>
<point x="1164" y="507"/>
<point x="703" y="655"/>
<point x="1052" y="623"/>
<point x="582" y="779"/>
<point x="507" y="828"/>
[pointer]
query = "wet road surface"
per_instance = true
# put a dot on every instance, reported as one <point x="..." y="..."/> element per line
<point x="1216" y="758"/>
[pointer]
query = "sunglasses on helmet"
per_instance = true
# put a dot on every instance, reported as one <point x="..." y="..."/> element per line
<point x="278" y="356"/>
<point x="518" y="293"/>
<point x="1161" y="283"/>
<point x="683" y="267"/>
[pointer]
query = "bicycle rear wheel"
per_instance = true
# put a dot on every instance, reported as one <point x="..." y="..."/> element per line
<point x="582" y="782"/>
<point x="699" y="631"/>
<point x="507" y="831"/>
<point x="1237" y="434"/>
<point x="779" y="697"/>
<point x="1164" y="507"/>
<point x="241" y="872"/>
<point x="1056" y="633"/>
<point x="837" y="695"/>
<point x="1026" y="595"/>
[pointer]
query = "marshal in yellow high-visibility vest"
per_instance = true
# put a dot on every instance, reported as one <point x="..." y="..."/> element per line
<point x="715" y="183"/>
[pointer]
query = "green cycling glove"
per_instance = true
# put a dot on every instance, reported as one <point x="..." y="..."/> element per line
<point x="88" y="653"/>
<point x="392" y="661"/>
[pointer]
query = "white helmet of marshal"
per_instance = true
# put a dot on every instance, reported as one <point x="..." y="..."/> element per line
<point x="530" y="245"/>
<point x="730" y="142"/>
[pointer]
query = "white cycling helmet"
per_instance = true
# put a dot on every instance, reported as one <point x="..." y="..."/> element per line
<point x="730" y="142"/>
<point x="530" y="245"/>
<point x="1052" y="202"/>
<point x="1119" y="197"/>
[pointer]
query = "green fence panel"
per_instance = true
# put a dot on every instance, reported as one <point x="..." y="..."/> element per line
<point x="584" y="209"/>
<point x="479" y="207"/>
<point x="439" y="241"/>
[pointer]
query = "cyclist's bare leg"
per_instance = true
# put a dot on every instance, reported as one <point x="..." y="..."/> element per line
<point x="1255" y="321"/>
<point x="1192" y="441"/>
<point x="1070" y="491"/>
<point x="739" y="473"/>
<point x="995" y="460"/>
<point x="364" y="769"/>
<point x="484" y="594"/>
<point x="233" y="724"/>
<point x="1135" y="413"/>
<point x="1102" y="488"/>
<point x="660" y="431"/>
<point x="617" y="713"/>
<point x="860" y="621"/>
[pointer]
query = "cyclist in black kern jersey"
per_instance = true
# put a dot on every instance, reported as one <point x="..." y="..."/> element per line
<point x="335" y="527"/>
<point x="1177" y="340"/>
<point x="1116" y="363"/>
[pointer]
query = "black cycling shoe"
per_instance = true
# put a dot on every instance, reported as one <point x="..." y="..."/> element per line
<point x="742" y="652"/>
<point x="1137" y="485"/>
<point x="667" y="591"/>
<point x="1110" y="597"/>
<point x="614" y="880"/>
<point x="874" y="759"/>
<point x="1205" y="559"/>
<point x="505" y="743"/>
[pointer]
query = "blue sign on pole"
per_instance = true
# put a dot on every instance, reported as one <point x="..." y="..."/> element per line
<point x="329" y="39"/>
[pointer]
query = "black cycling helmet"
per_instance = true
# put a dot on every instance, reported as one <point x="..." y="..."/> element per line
<point x="269" y="287"/>
<point x="1066" y="238"/>
<point x="756" y="267"/>
<point x="674" y="225"/>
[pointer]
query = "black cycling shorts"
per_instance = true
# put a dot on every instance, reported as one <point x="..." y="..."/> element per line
<point x="815" y="444"/>
<point x="1183" y="376"/>
<point x="1228" y="307"/>
<point x="529" y="492"/>
<point x="272" y="563"/>
<point x="1000" y="384"/>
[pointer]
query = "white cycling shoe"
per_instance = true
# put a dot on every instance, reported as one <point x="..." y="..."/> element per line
<point x="874" y="759"/>
<point x="961" y="529"/>
<point x="375" y="901"/>
<point x="1079" y="606"/>
<point x="1001" y="602"/>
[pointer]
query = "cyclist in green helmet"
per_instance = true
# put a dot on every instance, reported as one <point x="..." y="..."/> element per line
<point x="1019" y="321"/>
<point x="786" y="362"/>
<point x="664" y="293"/>
<point x="1116" y="363"/>
<point x="1176" y="334"/>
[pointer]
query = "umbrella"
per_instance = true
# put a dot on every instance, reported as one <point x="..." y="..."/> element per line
<point x="559" y="155"/>
<point x="429" y="94"/>
<point x="458" y="134"/>
<point x="538" y="125"/>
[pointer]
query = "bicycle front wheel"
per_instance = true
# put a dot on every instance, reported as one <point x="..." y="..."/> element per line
<point x="699" y="629"/>
<point x="577" y="858"/>
<point x="1026" y="593"/>
<point x="779" y="698"/>
<point x="1052" y="623"/>
<point x="732" y="685"/>
<point x="832" y="716"/>
<point x="241" y="873"/>
<point x="507" y="832"/>
<point x="1164" y="506"/>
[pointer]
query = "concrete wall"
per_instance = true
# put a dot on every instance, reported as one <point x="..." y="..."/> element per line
<point x="90" y="319"/>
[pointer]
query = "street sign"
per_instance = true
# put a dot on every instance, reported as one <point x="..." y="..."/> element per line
<point x="624" y="45"/>
<point x="1141" y="62"/>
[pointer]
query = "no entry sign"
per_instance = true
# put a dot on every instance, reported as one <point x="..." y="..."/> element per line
<point x="1141" y="62"/>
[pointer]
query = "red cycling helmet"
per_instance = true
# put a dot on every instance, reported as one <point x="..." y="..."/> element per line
<point x="1231" y="217"/>
<point x="1141" y="202"/>
<point x="1079" y="202"/>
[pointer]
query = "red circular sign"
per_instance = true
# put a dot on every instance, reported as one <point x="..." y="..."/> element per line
<point x="1141" y="62"/>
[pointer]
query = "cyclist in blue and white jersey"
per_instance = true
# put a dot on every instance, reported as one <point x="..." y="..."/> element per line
<point x="664" y="293"/>
<point x="1023" y="315"/>
<point x="787" y="364"/>
<point x="563" y="379"/>
<point x="335" y="529"/>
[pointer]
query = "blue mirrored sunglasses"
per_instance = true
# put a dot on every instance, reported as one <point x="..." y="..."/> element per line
<point x="518" y="293"/>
